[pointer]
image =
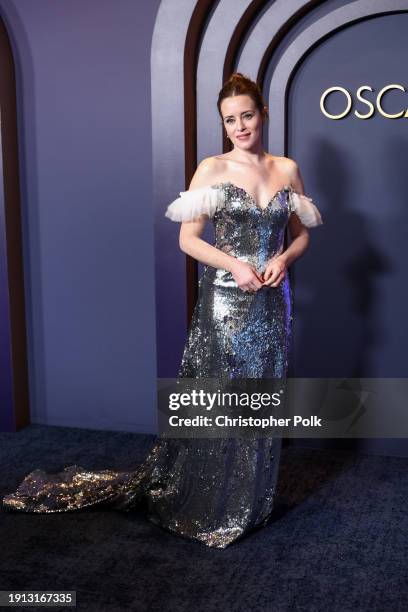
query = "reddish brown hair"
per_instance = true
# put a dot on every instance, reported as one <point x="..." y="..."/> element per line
<point x="238" y="85"/>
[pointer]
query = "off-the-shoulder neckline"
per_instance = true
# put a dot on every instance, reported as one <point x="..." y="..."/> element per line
<point x="251" y="197"/>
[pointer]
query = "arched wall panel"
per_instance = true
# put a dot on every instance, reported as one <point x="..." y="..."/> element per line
<point x="168" y="149"/>
<point x="358" y="280"/>
<point x="268" y="41"/>
<point x="14" y="397"/>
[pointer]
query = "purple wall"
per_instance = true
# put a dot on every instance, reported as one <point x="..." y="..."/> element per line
<point x="351" y="292"/>
<point x="84" y="108"/>
<point x="85" y="126"/>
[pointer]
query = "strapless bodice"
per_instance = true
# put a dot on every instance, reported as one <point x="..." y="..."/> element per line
<point x="245" y="230"/>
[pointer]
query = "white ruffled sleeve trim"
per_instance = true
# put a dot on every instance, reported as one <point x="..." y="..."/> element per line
<point x="304" y="208"/>
<point x="191" y="204"/>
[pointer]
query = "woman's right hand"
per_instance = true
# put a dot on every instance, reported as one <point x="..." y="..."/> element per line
<point x="246" y="276"/>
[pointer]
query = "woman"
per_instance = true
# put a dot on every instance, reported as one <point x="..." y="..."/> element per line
<point x="215" y="490"/>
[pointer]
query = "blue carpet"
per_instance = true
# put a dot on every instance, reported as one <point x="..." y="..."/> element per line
<point x="337" y="541"/>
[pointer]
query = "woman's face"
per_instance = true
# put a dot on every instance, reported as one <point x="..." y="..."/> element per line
<point x="242" y="121"/>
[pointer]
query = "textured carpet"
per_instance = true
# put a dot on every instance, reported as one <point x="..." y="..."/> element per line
<point x="337" y="542"/>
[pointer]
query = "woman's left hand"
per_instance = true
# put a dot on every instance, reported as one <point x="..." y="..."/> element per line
<point x="275" y="272"/>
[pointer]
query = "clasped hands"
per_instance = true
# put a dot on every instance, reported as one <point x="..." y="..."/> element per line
<point x="250" y="280"/>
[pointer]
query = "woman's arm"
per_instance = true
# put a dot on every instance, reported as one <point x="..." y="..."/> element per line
<point x="276" y="269"/>
<point x="190" y="231"/>
<point x="192" y="244"/>
<point x="299" y="234"/>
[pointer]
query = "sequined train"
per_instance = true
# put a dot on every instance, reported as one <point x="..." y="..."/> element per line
<point x="210" y="490"/>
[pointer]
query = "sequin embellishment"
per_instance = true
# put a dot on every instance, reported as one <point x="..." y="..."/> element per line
<point x="210" y="490"/>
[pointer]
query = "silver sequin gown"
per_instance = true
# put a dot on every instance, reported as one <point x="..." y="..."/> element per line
<point x="210" y="490"/>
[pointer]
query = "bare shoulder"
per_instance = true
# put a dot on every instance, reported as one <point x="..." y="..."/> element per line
<point x="208" y="171"/>
<point x="286" y="165"/>
<point x="290" y="170"/>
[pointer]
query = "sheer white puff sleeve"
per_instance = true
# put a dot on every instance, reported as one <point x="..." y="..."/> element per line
<point x="304" y="208"/>
<point x="191" y="204"/>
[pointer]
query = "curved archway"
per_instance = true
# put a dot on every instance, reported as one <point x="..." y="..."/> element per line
<point x="304" y="44"/>
<point x="255" y="37"/>
<point x="14" y="396"/>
